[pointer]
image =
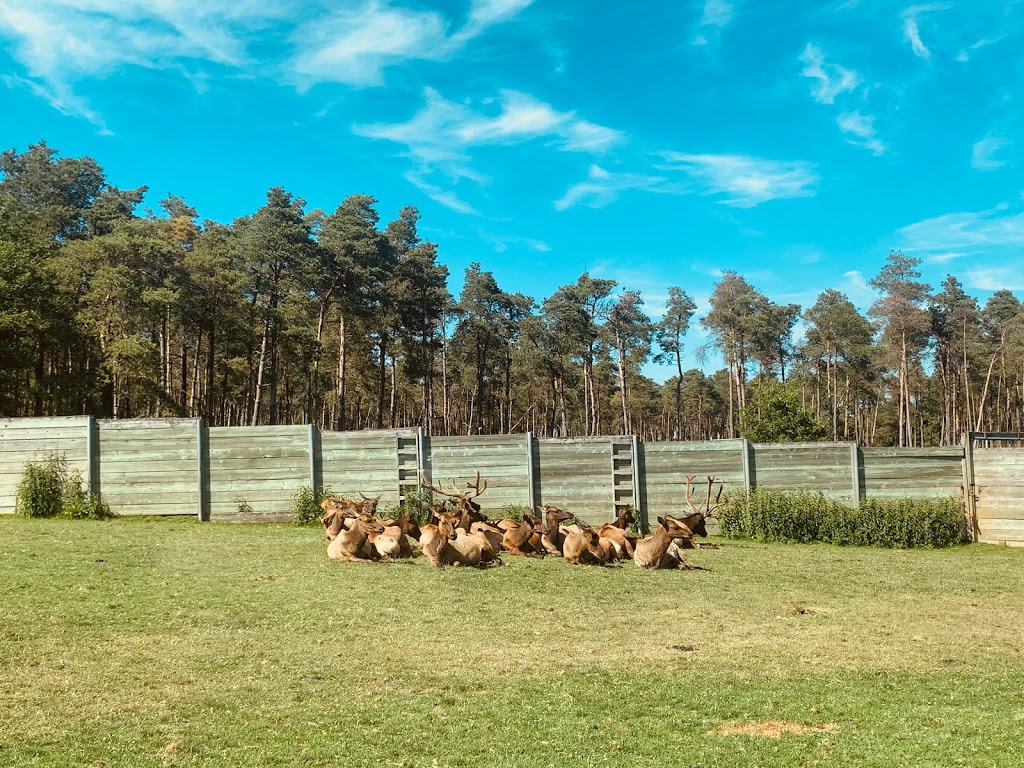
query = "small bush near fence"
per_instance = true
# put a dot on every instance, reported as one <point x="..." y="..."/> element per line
<point x="809" y="517"/>
<point x="306" y="504"/>
<point x="49" y="489"/>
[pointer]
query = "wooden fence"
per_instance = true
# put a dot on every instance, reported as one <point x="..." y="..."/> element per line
<point x="183" y="467"/>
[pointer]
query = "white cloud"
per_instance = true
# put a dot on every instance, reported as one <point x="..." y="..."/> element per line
<point x="746" y="181"/>
<point x="63" y="42"/>
<point x="911" y="30"/>
<point x="441" y="196"/>
<point x="857" y="288"/>
<point x="60" y="43"/>
<point x="715" y="17"/>
<point x="439" y="135"/>
<point x="862" y="129"/>
<point x="996" y="279"/>
<point x="993" y="240"/>
<point x="603" y="187"/>
<point x="353" y="45"/>
<point x="967" y="232"/>
<point x="983" y="151"/>
<point x="833" y="79"/>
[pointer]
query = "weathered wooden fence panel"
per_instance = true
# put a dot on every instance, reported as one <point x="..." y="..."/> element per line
<point x="367" y="462"/>
<point x="502" y="460"/>
<point x="667" y="465"/>
<point x="255" y="472"/>
<point x="577" y="474"/>
<point x="901" y="473"/>
<point x="149" y="467"/>
<point x="32" y="439"/>
<point x="826" y="468"/>
<point x="999" y="487"/>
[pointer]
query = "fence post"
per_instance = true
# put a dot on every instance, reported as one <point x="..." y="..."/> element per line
<point x="855" y="464"/>
<point x="316" y="479"/>
<point x="421" y="458"/>
<point x="746" y="464"/>
<point x="92" y="459"/>
<point x="970" y="500"/>
<point x="637" y="496"/>
<point x="530" y="478"/>
<point x="203" y="468"/>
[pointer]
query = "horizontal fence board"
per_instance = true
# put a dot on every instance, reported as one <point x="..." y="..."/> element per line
<point x="25" y="440"/>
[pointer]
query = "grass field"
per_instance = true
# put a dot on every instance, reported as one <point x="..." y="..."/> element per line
<point x="176" y="643"/>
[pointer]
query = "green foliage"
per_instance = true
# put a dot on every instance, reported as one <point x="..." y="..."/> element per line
<point x="807" y="517"/>
<point x="49" y="489"/>
<point x="41" y="490"/>
<point x="516" y="512"/>
<point x="306" y="504"/>
<point x="775" y="415"/>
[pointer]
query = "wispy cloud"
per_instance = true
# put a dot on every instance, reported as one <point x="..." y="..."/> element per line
<point x="439" y="138"/>
<point x="996" y="279"/>
<point x="61" y="43"/>
<point x="911" y="30"/>
<point x="832" y="79"/>
<point x="355" y="44"/>
<point x="998" y="231"/>
<point x="746" y="181"/>
<point x="716" y="16"/>
<point x="983" y="153"/>
<point x="603" y="187"/>
<point x="860" y="131"/>
<point x="857" y="288"/>
<point x="967" y="230"/>
<point x="441" y="195"/>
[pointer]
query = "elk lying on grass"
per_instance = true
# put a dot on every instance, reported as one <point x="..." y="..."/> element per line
<point x="615" y="534"/>
<point x="523" y="538"/>
<point x="583" y="547"/>
<point x="660" y="550"/>
<point x="553" y="536"/>
<point x="350" y="544"/>
<point x="445" y="544"/>
<point x="695" y="521"/>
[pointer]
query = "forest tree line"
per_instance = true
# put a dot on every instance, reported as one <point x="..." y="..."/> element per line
<point x="290" y="316"/>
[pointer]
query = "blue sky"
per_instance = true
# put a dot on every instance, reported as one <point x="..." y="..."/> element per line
<point x="655" y="144"/>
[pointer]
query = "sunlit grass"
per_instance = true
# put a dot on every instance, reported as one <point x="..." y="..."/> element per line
<point x="175" y="643"/>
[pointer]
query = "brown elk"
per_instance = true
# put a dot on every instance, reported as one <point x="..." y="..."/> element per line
<point x="523" y="538"/>
<point x="695" y="521"/>
<point x="660" y="551"/>
<point x="445" y="544"/>
<point x="469" y="509"/>
<point x="615" y="534"/>
<point x="583" y="547"/>
<point x="350" y="544"/>
<point x="552" y="537"/>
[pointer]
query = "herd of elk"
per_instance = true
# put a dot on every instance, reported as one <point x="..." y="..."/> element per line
<point x="459" y="534"/>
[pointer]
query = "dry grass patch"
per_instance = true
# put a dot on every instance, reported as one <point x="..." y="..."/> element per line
<point x="772" y="729"/>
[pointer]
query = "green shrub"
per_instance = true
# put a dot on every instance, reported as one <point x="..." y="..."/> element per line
<point x="806" y="517"/>
<point x="79" y="505"/>
<point x="515" y="512"/>
<point x="41" y="490"/>
<point x="49" y="489"/>
<point x="306" y="504"/>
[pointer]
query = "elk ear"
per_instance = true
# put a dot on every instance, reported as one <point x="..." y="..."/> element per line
<point x="662" y="521"/>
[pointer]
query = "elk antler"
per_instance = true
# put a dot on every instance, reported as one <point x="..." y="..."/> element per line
<point x="709" y="506"/>
<point x="425" y="482"/>
<point x="475" y="487"/>
<point x="689" y="492"/>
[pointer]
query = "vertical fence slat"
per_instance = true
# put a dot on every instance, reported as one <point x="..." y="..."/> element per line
<point x="745" y="447"/>
<point x="855" y="468"/>
<point x="531" y="475"/>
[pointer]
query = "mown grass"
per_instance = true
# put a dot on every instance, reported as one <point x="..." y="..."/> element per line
<point x="175" y="643"/>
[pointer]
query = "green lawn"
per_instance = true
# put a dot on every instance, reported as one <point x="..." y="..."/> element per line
<point x="176" y="643"/>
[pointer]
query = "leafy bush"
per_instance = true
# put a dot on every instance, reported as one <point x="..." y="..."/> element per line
<point x="79" y="505"/>
<point x="41" y="490"/>
<point x="806" y="517"/>
<point x="306" y="504"/>
<point x="48" y="489"/>
<point x="516" y="512"/>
